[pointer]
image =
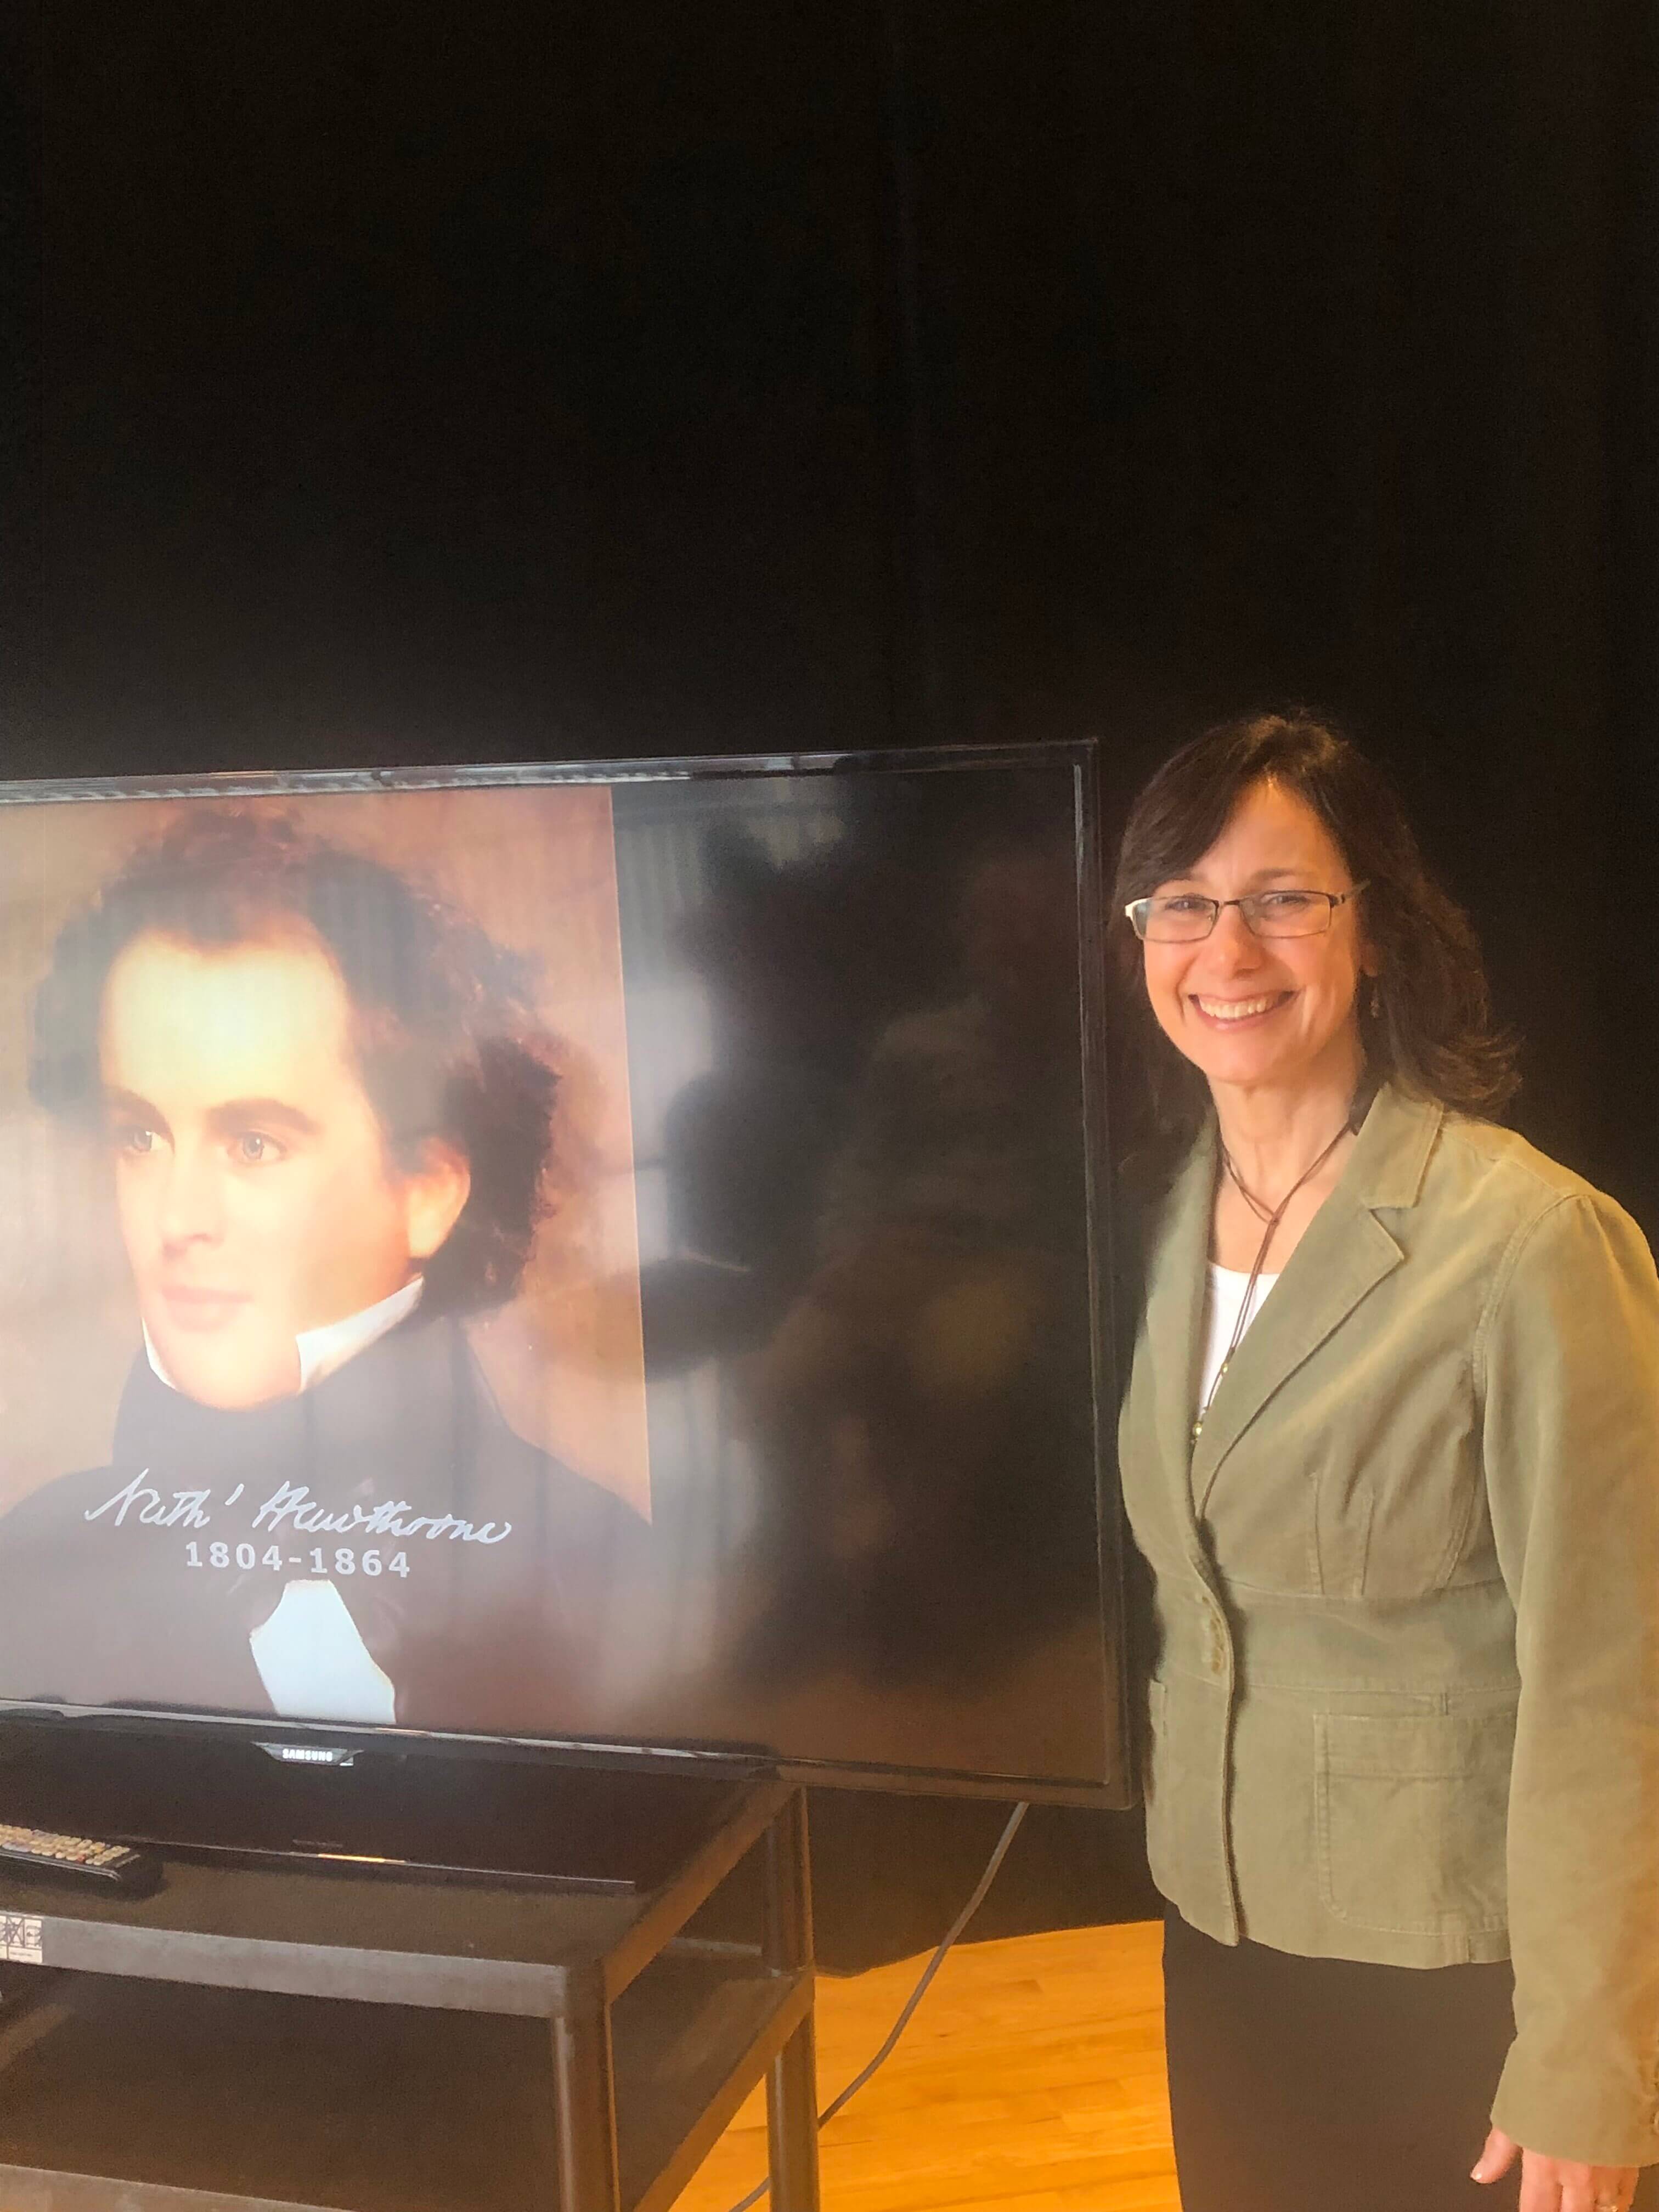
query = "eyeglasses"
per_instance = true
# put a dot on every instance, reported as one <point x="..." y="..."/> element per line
<point x="1186" y="917"/>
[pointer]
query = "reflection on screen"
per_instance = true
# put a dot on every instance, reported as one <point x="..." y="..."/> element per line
<point x="856" y="1063"/>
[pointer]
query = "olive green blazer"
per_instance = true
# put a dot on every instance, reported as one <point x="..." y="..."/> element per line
<point x="1404" y="1695"/>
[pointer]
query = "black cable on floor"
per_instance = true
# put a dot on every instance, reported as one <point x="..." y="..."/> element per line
<point x="920" y="1991"/>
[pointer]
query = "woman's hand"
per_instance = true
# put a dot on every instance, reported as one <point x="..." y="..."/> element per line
<point x="1557" y="2185"/>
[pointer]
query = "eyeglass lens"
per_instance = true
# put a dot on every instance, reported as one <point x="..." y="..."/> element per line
<point x="1186" y="918"/>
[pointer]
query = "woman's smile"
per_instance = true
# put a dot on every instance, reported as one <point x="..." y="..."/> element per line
<point x="1230" y="1013"/>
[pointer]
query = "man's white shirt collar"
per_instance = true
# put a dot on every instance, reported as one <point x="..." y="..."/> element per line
<point x="322" y="1350"/>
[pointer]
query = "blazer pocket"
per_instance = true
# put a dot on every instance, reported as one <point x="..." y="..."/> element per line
<point x="1411" y="1811"/>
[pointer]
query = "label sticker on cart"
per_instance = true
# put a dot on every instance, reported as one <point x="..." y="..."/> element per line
<point x="20" y="1939"/>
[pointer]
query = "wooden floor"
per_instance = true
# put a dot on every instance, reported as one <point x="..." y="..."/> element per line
<point x="1030" y="2079"/>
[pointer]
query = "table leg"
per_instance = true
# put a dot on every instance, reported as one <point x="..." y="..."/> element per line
<point x="585" y="2107"/>
<point x="792" y="2088"/>
<point x="792" y="2123"/>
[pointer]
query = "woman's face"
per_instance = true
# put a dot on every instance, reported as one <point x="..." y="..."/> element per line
<point x="1274" y="1012"/>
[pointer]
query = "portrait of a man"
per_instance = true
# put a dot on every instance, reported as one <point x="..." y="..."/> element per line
<point x="327" y="1130"/>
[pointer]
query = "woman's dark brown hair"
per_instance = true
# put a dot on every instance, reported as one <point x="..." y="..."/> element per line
<point x="1433" y="1033"/>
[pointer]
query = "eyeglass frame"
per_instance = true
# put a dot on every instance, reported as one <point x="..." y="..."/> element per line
<point x="1333" y="899"/>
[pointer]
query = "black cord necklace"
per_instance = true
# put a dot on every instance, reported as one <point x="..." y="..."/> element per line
<point x="1271" y="1216"/>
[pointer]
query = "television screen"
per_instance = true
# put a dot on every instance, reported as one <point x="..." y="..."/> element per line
<point x="571" y="1257"/>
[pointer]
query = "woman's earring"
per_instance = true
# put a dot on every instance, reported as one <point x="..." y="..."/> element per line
<point x="1377" y="999"/>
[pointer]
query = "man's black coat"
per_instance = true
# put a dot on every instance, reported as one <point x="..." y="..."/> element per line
<point x="482" y="1575"/>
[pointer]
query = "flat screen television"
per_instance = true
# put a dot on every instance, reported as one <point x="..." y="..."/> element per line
<point x="603" y="1262"/>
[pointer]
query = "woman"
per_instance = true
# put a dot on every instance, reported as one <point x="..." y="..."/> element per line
<point x="1390" y="1452"/>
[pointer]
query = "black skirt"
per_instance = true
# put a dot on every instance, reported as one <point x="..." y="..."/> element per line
<point x="1330" y="2085"/>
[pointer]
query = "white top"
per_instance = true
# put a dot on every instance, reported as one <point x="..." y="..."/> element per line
<point x="1222" y="1301"/>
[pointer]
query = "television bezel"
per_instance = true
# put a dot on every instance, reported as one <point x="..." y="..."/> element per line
<point x="1115" y="1788"/>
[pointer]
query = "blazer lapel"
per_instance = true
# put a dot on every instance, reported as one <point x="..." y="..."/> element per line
<point x="1344" y="1254"/>
<point x="1175" y="1318"/>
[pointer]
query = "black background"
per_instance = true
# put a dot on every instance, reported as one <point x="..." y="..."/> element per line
<point x="405" y="385"/>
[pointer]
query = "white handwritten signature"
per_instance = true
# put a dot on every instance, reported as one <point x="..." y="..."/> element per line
<point x="293" y="1502"/>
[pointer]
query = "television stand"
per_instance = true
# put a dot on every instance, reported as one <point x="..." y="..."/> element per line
<point x="259" y="2038"/>
<point x="584" y="1827"/>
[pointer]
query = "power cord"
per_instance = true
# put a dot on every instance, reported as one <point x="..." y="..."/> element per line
<point x="917" y="1994"/>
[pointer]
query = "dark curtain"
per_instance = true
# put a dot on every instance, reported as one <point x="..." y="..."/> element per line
<point x="414" y="383"/>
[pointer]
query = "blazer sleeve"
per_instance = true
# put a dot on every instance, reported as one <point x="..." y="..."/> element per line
<point x="1568" y="1358"/>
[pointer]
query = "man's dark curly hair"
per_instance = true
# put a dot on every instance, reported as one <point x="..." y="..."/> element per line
<point x="440" y="1012"/>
